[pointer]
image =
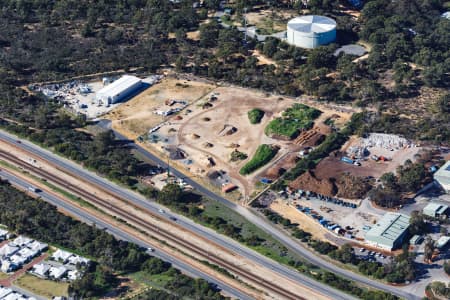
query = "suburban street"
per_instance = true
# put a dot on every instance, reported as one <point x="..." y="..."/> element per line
<point x="92" y="220"/>
<point x="210" y="234"/>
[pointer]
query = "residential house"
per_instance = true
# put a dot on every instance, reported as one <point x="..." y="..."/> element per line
<point x="57" y="272"/>
<point x="8" y="250"/>
<point x="3" y="234"/>
<point x="8" y="266"/>
<point x="27" y="254"/>
<point x="4" y="292"/>
<point x="76" y="259"/>
<point x="41" y="270"/>
<point x="37" y="246"/>
<point x="22" y="240"/>
<point x="61" y="256"/>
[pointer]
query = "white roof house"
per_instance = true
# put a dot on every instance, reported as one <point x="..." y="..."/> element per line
<point x="57" y="272"/>
<point x="22" y="240"/>
<point x="7" y="266"/>
<point x="74" y="259"/>
<point x="18" y="260"/>
<point x="73" y="275"/>
<point x="27" y="253"/>
<point x="14" y="296"/>
<point x="37" y="246"/>
<point x="3" y="233"/>
<point x="8" y="249"/>
<point x="41" y="269"/>
<point x="61" y="255"/>
<point x="119" y="89"/>
<point x="4" y="292"/>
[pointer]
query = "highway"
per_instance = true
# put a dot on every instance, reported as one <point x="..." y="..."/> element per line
<point x="92" y="220"/>
<point x="210" y="234"/>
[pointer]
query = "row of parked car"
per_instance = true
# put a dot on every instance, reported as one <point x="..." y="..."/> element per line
<point x="320" y="197"/>
<point x="324" y="222"/>
<point x="371" y="255"/>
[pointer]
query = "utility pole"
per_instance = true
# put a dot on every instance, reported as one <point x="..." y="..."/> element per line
<point x="168" y="167"/>
<point x="245" y="26"/>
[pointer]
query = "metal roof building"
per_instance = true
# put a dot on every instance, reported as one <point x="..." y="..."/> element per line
<point x="442" y="242"/>
<point x="119" y="89"/>
<point x="389" y="232"/>
<point x="434" y="209"/>
<point x="442" y="176"/>
<point x="311" y="31"/>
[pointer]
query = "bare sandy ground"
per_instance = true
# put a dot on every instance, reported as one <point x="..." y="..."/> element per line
<point x="204" y="126"/>
<point x="305" y="223"/>
<point x="137" y="115"/>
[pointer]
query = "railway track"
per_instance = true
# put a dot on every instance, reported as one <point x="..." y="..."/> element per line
<point x="213" y="258"/>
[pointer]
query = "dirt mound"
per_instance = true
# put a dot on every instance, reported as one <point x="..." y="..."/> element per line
<point x="352" y="187"/>
<point x="233" y="145"/>
<point x="227" y="130"/>
<point x="309" y="138"/>
<point x="207" y="105"/>
<point x="274" y="172"/>
<point x="309" y="182"/>
<point x="280" y="167"/>
<point x="176" y="153"/>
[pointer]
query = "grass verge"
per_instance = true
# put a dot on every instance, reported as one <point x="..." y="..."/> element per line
<point x="46" y="288"/>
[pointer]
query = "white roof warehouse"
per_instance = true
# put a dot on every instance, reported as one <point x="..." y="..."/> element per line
<point x="119" y="89"/>
<point x="442" y="177"/>
<point x="389" y="232"/>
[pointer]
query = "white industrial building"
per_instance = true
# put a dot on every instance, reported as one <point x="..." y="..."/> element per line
<point x="389" y="232"/>
<point x="442" y="177"/>
<point x="119" y="89"/>
<point x="311" y="31"/>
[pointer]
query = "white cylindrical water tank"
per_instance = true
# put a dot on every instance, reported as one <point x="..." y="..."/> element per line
<point x="311" y="31"/>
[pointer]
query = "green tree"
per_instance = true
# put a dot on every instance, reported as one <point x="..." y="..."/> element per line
<point x="428" y="249"/>
<point x="170" y="193"/>
<point x="209" y="33"/>
<point x="417" y="223"/>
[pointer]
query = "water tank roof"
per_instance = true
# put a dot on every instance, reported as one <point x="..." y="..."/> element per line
<point x="312" y="23"/>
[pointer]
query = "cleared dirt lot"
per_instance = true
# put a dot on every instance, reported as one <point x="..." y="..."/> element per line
<point x="216" y="131"/>
<point x="305" y="223"/>
<point x="137" y="116"/>
<point x="332" y="167"/>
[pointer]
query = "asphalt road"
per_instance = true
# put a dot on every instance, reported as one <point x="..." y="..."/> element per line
<point x="92" y="220"/>
<point x="212" y="235"/>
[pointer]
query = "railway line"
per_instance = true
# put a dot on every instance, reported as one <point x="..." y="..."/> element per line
<point x="197" y="250"/>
